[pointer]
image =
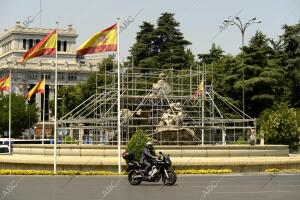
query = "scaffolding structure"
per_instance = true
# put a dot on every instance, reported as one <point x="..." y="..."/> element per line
<point x="143" y="107"/>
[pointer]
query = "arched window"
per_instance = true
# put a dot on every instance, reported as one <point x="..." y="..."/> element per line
<point x="65" y="46"/>
<point x="30" y="43"/>
<point x="24" y="44"/>
<point x="58" y="45"/>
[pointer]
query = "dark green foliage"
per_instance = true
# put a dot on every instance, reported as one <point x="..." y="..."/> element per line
<point x="137" y="143"/>
<point x="215" y="54"/>
<point x="162" y="46"/>
<point x="280" y="125"/>
<point x="257" y="69"/>
<point x="71" y="96"/>
<point x="291" y="45"/>
<point x="240" y="141"/>
<point x="68" y="140"/>
<point x="262" y="80"/>
<point x="20" y="114"/>
<point x="144" y="46"/>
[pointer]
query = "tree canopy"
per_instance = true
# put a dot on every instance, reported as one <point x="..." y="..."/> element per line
<point x="23" y="116"/>
<point x="162" y="46"/>
<point x="280" y="125"/>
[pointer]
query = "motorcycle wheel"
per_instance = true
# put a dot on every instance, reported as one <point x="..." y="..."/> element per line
<point x="171" y="180"/>
<point x="132" y="180"/>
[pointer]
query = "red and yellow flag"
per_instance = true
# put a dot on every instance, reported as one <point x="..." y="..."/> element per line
<point x="200" y="89"/>
<point x="105" y="40"/>
<point x="38" y="88"/>
<point x="46" y="46"/>
<point x="5" y="83"/>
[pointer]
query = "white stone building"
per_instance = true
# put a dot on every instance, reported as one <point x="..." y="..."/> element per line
<point x="17" y="40"/>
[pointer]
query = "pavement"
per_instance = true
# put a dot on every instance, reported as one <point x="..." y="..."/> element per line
<point x="208" y="187"/>
<point x="109" y="160"/>
<point x="92" y="163"/>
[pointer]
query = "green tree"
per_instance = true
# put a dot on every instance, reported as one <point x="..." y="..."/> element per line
<point x="160" y="47"/>
<point x="144" y="47"/>
<point x="262" y="80"/>
<point x="291" y="45"/>
<point x="137" y="143"/>
<point x="254" y="70"/>
<point x="280" y="125"/>
<point x="70" y="97"/>
<point x="20" y="114"/>
<point x="170" y="43"/>
<point x="223" y="71"/>
<point x="215" y="54"/>
<point x="225" y="74"/>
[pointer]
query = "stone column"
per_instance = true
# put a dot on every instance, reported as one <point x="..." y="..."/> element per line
<point x="51" y="92"/>
<point x="223" y="136"/>
<point x="81" y="133"/>
<point x="14" y="45"/>
<point x="71" y="132"/>
<point x="38" y="101"/>
<point x="51" y="97"/>
<point x="262" y="140"/>
<point x="20" y="89"/>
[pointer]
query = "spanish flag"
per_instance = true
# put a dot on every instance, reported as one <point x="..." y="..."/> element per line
<point x="38" y="88"/>
<point x="5" y="83"/>
<point x="200" y="89"/>
<point x="105" y="40"/>
<point x="47" y="46"/>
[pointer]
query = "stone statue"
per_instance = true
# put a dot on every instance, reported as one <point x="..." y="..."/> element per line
<point x="161" y="84"/>
<point x="178" y="118"/>
<point x="252" y="137"/>
<point x="126" y="114"/>
<point x="169" y="119"/>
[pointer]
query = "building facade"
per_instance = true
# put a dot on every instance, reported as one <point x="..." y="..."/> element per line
<point x="17" y="40"/>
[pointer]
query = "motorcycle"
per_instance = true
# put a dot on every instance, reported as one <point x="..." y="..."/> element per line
<point x="160" y="170"/>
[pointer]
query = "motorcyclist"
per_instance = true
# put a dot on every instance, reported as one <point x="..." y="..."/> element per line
<point x="148" y="155"/>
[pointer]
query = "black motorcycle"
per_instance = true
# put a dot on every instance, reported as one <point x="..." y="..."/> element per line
<point x="160" y="170"/>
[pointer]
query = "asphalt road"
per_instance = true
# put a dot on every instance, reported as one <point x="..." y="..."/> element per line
<point x="229" y="187"/>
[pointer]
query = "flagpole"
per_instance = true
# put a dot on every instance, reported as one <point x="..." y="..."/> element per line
<point x="202" y="109"/>
<point x="55" y="100"/>
<point x="44" y="101"/>
<point x="9" y="113"/>
<point x="119" y="99"/>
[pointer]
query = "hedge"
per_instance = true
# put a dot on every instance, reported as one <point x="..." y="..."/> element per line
<point x="275" y="170"/>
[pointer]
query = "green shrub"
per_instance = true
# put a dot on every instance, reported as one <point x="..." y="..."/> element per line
<point x="137" y="143"/>
<point x="240" y="141"/>
<point x="69" y="172"/>
<point x="68" y="140"/>
<point x="275" y="170"/>
<point x="280" y="125"/>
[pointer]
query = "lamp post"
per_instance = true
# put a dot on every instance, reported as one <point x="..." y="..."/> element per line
<point x="242" y="27"/>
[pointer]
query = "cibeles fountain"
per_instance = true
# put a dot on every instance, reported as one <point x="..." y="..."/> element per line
<point x="170" y="127"/>
<point x="165" y="103"/>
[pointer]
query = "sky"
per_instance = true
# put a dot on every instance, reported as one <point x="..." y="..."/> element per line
<point x="199" y="19"/>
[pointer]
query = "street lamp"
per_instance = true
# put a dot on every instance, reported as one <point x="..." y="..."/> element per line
<point x="237" y="22"/>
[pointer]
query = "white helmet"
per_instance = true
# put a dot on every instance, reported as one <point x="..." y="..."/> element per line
<point x="149" y="145"/>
